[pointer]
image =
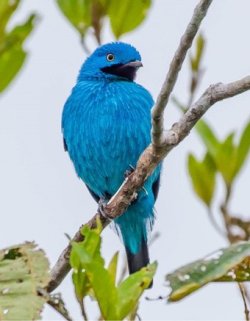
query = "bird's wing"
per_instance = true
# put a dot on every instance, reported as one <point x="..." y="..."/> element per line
<point x="156" y="186"/>
<point x="65" y="145"/>
<point x="93" y="194"/>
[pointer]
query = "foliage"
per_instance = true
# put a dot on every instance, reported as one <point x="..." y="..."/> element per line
<point x="203" y="177"/>
<point x="231" y="264"/>
<point x="86" y="15"/>
<point x="12" y="53"/>
<point x="225" y="157"/>
<point x="90" y="277"/>
<point x="23" y="269"/>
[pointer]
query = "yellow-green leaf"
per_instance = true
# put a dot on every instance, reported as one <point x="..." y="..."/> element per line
<point x="208" y="137"/>
<point x="226" y="159"/>
<point x="11" y="62"/>
<point x="202" y="175"/>
<point x="23" y="269"/>
<point x="126" y="15"/>
<point x="7" y="8"/>
<point x="115" y="303"/>
<point x="78" y="13"/>
<point x="12" y="54"/>
<point x="112" y="267"/>
<point x="218" y="266"/>
<point x="196" y="59"/>
<point x="243" y="148"/>
<point x="131" y="289"/>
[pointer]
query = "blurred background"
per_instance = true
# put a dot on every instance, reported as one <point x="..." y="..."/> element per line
<point x="41" y="196"/>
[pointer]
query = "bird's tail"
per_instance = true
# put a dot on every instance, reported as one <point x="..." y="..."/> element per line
<point x="138" y="260"/>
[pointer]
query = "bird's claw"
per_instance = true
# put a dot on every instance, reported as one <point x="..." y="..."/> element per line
<point x="101" y="208"/>
<point x="129" y="171"/>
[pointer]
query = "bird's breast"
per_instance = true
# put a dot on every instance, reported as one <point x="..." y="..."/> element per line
<point x="106" y="128"/>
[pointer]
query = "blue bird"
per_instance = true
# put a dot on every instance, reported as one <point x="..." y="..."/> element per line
<point x="106" y="125"/>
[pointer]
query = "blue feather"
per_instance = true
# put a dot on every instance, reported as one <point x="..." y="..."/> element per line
<point x="106" y="125"/>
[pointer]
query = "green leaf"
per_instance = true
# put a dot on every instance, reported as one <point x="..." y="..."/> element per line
<point x="11" y="62"/>
<point x="226" y="155"/>
<point x="203" y="177"/>
<point x="226" y="159"/>
<point x="104" y="290"/>
<point x="196" y="59"/>
<point x="208" y="137"/>
<point x="243" y="148"/>
<point x="12" y="54"/>
<point x="79" y="276"/>
<point x="81" y="254"/>
<point x="23" y="268"/>
<point x="239" y="273"/>
<point x="127" y="15"/>
<point x="78" y="12"/>
<point x="90" y="277"/>
<point x="7" y="8"/>
<point x="83" y="14"/>
<point x="89" y="267"/>
<point x="217" y="266"/>
<point x="112" y="267"/>
<point x="20" y="32"/>
<point x="131" y="289"/>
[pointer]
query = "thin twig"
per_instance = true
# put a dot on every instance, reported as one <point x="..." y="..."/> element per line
<point x="83" y="311"/>
<point x="215" y="224"/>
<point x="243" y="295"/>
<point x="158" y="298"/>
<point x="138" y="317"/>
<point x="62" y="266"/>
<point x="228" y="222"/>
<point x="175" y="66"/>
<point x="84" y="45"/>
<point x="56" y="302"/>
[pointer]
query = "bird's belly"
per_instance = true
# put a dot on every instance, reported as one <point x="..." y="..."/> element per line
<point x="106" y="152"/>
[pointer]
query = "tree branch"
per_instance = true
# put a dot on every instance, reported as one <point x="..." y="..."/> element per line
<point x="175" y="66"/>
<point x="147" y="162"/>
<point x="163" y="142"/>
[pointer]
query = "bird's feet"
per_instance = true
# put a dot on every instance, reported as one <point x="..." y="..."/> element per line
<point x="129" y="171"/>
<point x="101" y="207"/>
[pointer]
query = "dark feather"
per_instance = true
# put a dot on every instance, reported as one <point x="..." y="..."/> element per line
<point x="138" y="260"/>
<point x="65" y="145"/>
<point x="156" y="187"/>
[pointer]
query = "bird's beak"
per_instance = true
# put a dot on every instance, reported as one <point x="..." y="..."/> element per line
<point x="127" y="70"/>
<point x="134" y="64"/>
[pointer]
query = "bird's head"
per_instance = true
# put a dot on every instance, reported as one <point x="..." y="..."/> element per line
<point x="113" y="60"/>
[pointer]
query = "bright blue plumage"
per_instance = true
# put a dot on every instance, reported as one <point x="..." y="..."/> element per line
<point x="106" y="125"/>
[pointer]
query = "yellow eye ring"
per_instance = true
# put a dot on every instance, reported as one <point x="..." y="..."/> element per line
<point x="110" y="57"/>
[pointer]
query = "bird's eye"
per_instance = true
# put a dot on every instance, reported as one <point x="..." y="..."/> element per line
<point x="110" y="57"/>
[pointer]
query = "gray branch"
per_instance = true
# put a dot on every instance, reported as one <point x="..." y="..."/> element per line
<point x="157" y="151"/>
<point x="148" y="161"/>
<point x="175" y="66"/>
